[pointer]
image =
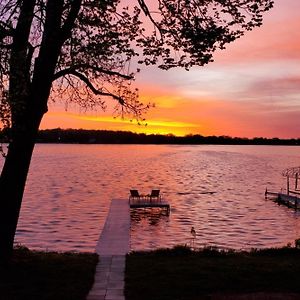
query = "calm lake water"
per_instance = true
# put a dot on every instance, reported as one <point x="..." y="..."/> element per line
<point x="217" y="189"/>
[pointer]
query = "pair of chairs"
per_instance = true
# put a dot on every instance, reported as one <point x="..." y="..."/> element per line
<point x="135" y="195"/>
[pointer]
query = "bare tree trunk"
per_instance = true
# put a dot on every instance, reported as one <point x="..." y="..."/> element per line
<point x="12" y="184"/>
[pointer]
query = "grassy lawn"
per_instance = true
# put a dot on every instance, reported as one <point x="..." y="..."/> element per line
<point x="182" y="274"/>
<point x="36" y="275"/>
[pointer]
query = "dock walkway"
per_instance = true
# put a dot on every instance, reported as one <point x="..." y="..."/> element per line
<point x="285" y="199"/>
<point x="112" y="247"/>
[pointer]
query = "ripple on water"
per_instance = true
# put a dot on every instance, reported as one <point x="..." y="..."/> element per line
<point x="217" y="189"/>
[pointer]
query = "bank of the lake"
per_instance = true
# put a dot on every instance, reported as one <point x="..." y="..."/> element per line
<point x="180" y="273"/>
<point x="39" y="275"/>
<point x="164" y="274"/>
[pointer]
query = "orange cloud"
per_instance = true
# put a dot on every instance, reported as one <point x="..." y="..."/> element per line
<point x="203" y="116"/>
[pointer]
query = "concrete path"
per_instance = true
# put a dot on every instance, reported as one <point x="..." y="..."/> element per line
<point x="112" y="247"/>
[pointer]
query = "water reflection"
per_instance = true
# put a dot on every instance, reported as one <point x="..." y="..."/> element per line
<point x="142" y="219"/>
<point x="219" y="190"/>
<point x="151" y="216"/>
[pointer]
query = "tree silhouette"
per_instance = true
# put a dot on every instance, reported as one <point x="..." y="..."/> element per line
<point x="80" y="51"/>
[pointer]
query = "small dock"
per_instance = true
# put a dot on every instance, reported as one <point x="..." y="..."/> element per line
<point x="292" y="196"/>
<point x="285" y="199"/>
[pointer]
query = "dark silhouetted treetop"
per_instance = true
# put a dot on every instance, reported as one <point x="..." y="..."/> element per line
<point x="187" y="32"/>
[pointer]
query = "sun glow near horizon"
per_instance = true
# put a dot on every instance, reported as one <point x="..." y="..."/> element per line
<point x="153" y="126"/>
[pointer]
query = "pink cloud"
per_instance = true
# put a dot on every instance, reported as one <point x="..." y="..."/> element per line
<point x="284" y="86"/>
<point x="277" y="38"/>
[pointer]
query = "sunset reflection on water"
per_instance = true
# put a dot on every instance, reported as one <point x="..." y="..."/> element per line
<point x="219" y="190"/>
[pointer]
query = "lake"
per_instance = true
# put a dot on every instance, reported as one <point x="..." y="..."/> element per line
<point x="219" y="190"/>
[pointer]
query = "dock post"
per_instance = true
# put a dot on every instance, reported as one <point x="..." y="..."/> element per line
<point x="296" y="181"/>
<point x="288" y="184"/>
<point x="266" y="193"/>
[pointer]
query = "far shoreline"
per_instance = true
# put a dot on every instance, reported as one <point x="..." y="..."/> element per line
<point x="90" y="137"/>
<point x="158" y="144"/>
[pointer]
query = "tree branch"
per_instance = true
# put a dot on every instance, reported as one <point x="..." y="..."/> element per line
<point x="29" y="57"/>
<point x="147" y="13"/>
<point x="5" y="30"/>
<point x="70" y="70"/>
<point x="7" y="46"/>
<point x="69" y="23"/>
<point x="22" y="31"/>
<point x="97" y="92"/>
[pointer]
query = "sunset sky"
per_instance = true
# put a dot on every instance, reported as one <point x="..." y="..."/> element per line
<point x="251" y="89"/>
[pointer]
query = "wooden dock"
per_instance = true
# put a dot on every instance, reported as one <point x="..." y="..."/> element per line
<point x="115" y="236"/>
<point x="113" y="245"/>
<point x="291" y="197"/>
<point x="285" y="199"/>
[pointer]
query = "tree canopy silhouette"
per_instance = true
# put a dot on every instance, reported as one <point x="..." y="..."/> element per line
<point x="81" y="50"/>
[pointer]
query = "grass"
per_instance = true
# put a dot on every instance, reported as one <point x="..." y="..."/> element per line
<point x="180" y="273"/>
<point x="47" y="275"/>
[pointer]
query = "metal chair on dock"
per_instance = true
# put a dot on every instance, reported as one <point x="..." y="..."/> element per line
<point x="134" y="195"/>
<point x="155" y="195"/>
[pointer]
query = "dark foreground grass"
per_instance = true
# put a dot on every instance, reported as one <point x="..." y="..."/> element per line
<point x="180" y="273"/>
<point x="36" y="275"/>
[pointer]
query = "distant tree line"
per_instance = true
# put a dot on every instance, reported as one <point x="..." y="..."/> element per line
<point x="81" y="136"/>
